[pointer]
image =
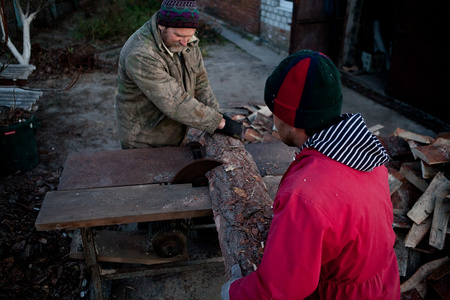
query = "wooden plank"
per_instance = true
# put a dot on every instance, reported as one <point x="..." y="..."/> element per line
<point x="122" y="247"/>
<point x="440" y="223"/>
<point x="438" y="188"/>
<point x="121" y="205"/>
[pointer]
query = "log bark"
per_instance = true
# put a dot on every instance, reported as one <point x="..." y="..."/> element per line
<point x="241" y="203"/>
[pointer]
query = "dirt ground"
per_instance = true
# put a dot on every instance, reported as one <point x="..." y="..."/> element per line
<point x="35" y="265"/>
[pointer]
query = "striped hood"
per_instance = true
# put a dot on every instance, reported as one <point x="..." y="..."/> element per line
<point x="349" y="142"/>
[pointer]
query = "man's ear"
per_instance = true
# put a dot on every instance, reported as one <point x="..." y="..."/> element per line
<point x="161" y="27"/>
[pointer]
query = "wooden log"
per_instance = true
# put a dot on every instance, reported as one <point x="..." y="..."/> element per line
<point x="422" y="273"/>
<point x="412" y="145"/>
<point x="401" y="253"/>
<point x="439" y="224"/>
<point x="396" y="147"/>
<point x="411" y="171"/>
<point x="375" y="129"/>
<point x="417" y="233"/>
<point x="436" y="153"/>
<point x="413" y="136"/>
<point x="394" y="183"/>
<point x="240" y="201"/>
<point x="438" y="188"/>
<point x="404" y="196"/>
<point x="428" y="171"/>
<point x="411" y="295"/>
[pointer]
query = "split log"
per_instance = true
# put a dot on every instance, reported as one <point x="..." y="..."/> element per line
<point x="428" y="171"/>
<point x="413" y="136"/>
<point x="408" y="260"/>
<point x="240" y="201"/>
<point x="438" y="188"/>
<point x="396" y="147"/>
<point x="394" y="183"/>
<point x="412" y="145"/>
<point x="411" y="171"/>
<point x="417" y="233"/>
<point x="436" y="153"/>
<point x="422" y="273"/>
<point x="375" y="129"/>
<point x="440" y="222"/>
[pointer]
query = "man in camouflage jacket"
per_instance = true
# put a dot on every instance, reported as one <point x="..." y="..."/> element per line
<point x="161" y="93"/>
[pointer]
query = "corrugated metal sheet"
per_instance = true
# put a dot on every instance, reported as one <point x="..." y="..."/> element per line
<point x="11" y="94"/>
<point x="18" y="97"/>
<point x="15" y="71"/>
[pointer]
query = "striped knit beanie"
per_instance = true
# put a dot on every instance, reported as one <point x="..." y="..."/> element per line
<point x="304" y="91"/>
<point x="180" y="14"/>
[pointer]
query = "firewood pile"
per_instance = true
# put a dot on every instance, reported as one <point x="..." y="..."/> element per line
<point x="419" y="186"/>
<point x="420" y="190"/>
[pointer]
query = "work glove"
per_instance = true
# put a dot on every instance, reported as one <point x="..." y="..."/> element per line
<point x="235" y="275"/>
<point x="231" y="128"/>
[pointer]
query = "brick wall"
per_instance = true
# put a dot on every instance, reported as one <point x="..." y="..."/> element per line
<point x="243" y="14"/>
<point x="265" y="19"/>
<point x="275" y="24"/>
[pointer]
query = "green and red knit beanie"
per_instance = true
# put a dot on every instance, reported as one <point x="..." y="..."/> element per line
<point x="304" y="91"/>
<point x="180" y="14"/>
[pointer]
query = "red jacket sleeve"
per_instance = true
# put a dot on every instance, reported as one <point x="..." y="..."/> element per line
<point x="291" y="264"/>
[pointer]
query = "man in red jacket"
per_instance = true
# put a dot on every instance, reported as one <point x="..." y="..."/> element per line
<point x="331" y="235"/>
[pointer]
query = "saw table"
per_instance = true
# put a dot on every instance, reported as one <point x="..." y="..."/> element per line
<point x="100" y="189"/>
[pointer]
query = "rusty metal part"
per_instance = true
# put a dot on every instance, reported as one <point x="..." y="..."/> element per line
<point x="168" y="237"/>
<point x="169" y="243"/>
<point x="195" y="171"/>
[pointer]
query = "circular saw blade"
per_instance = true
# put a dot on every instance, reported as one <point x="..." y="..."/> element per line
<point x="195" y="171"/>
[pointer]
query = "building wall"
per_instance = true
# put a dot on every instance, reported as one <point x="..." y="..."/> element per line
<point x="275" y="24"/>
<point x="243" y="14"/>
<point x="265" y="19"/>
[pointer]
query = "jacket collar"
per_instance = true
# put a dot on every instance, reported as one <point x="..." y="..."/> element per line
<point x="350" y="142"/>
